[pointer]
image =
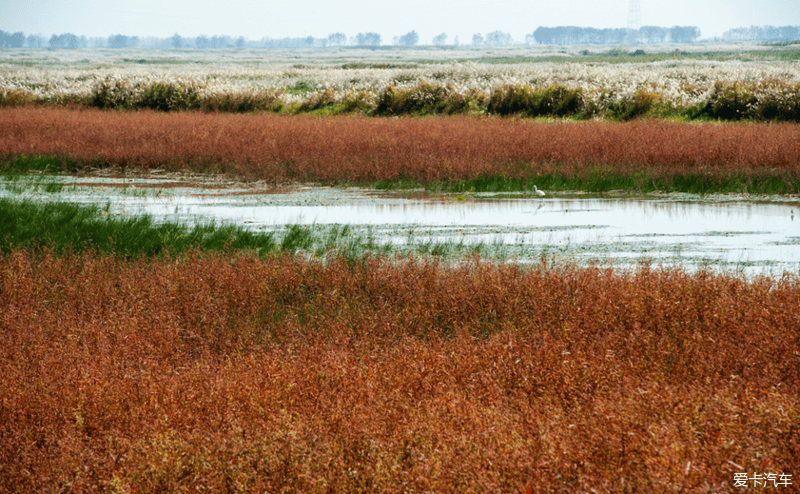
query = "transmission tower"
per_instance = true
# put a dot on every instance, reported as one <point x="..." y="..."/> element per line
<point x="634" y="15"/>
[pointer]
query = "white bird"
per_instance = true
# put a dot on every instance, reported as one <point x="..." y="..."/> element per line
<point x="538" y="192"/>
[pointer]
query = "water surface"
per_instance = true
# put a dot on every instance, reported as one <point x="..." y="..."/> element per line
<point x="740" y="233"/>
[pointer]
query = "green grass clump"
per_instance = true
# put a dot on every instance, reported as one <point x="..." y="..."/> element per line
<point x="241" y="102"/>
<point x="769" y="100"/>
<point x="318" y="101"/>
<point x="161" y="96"/>
<point x="529" y="101"/>
<point x="402" y="183"/>
<point x="37" y="163"/>
<point x="640" y="104"/>
<point x="66" y="226"/>
<point x="17" y="183"/>
<point x="425" y="99"/>
<point x="16" y="97"/>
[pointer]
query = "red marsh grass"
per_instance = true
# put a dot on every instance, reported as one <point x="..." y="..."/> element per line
<point x="362" y="150"/>
<point x="205" y="372"/>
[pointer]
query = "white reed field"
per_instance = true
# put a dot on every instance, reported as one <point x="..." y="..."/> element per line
<point x="295" y="75"/>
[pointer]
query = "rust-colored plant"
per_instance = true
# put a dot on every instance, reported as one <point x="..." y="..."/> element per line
<point x="202" y="372"/>
<point x="352" y="149"/>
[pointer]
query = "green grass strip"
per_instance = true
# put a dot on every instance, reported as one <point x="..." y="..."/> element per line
<point x="67" y="226"/>
<point x="601" y="181"/>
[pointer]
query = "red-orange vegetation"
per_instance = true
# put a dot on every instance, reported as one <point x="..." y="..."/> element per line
<point x="280" y="148"/>
<point x="205" y="372"/>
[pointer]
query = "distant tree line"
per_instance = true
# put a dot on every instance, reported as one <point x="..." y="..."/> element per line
<point x="8" y="40"/>
<point x="573" y="35"/>
<point x="495" y="38"/>
<point x="762" y="33"/>
<point x="560" y="35"/>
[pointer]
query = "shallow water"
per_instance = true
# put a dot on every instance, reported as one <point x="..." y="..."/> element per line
<point x="744" y="235"/>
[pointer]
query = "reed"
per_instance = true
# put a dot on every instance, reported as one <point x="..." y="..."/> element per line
<point x="769" y="99"/>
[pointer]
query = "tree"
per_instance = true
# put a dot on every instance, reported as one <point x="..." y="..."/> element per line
<point x="176" y="41"/>
<point x="543" y="35"/>
<point x="34" y="41"/>
<point x="763" y="33"/>
<point x="66" y="40"/>
<point x="117" y="41"/>
<point x="221" y="42"/>
<point x="201" y="42"/>
<point x="16" y="40"/>
<point x="240" y="41"/>
<point x="477" y="39"/>
<point x="572" y="35"/>
<point x="411" y="38"/>
<point x="367" y="39"/>
<point x="615" y="36"/>
<point x="5" y="40"/>
<point x="790" y="32"/>
<point x="440" y="39"/>
<point x="684" y="34"/>
<point x="652" y="34"/>
<point x="336" y="39"/>
<point x="499" y="38"/>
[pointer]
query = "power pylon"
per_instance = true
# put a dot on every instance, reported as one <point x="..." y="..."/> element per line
<point x="634" y="15"/>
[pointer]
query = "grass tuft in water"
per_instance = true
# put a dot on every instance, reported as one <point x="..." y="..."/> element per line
<point x="37" y="163"/>
<point x="297" y="237"/>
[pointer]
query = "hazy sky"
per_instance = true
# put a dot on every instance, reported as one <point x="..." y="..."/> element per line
<point x="255" y="19"/>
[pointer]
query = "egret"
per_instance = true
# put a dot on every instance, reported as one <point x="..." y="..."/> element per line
<point x="538" y="192"/>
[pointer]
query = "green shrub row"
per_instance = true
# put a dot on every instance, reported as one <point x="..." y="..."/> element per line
<point x="171" y="97"/>
<point x="558" y="101"/>
<point x="769" y="100"/>
<point x="426" y="98"/>
<point x="17" y="97"/>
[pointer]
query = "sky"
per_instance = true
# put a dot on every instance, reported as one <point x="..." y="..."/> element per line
<point x="255" y="19"/>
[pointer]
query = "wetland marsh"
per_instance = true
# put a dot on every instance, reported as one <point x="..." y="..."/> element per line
<point x="255" y="281"/>
<point x="755" y="235"/>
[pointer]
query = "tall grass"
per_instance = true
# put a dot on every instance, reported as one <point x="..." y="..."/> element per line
<point x="210" y="372"/>
<point x="427" y="151"/>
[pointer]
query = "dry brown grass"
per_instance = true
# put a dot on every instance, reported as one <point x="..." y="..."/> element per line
<point x="285" y="375"/>
<point x="281" y="148"/>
